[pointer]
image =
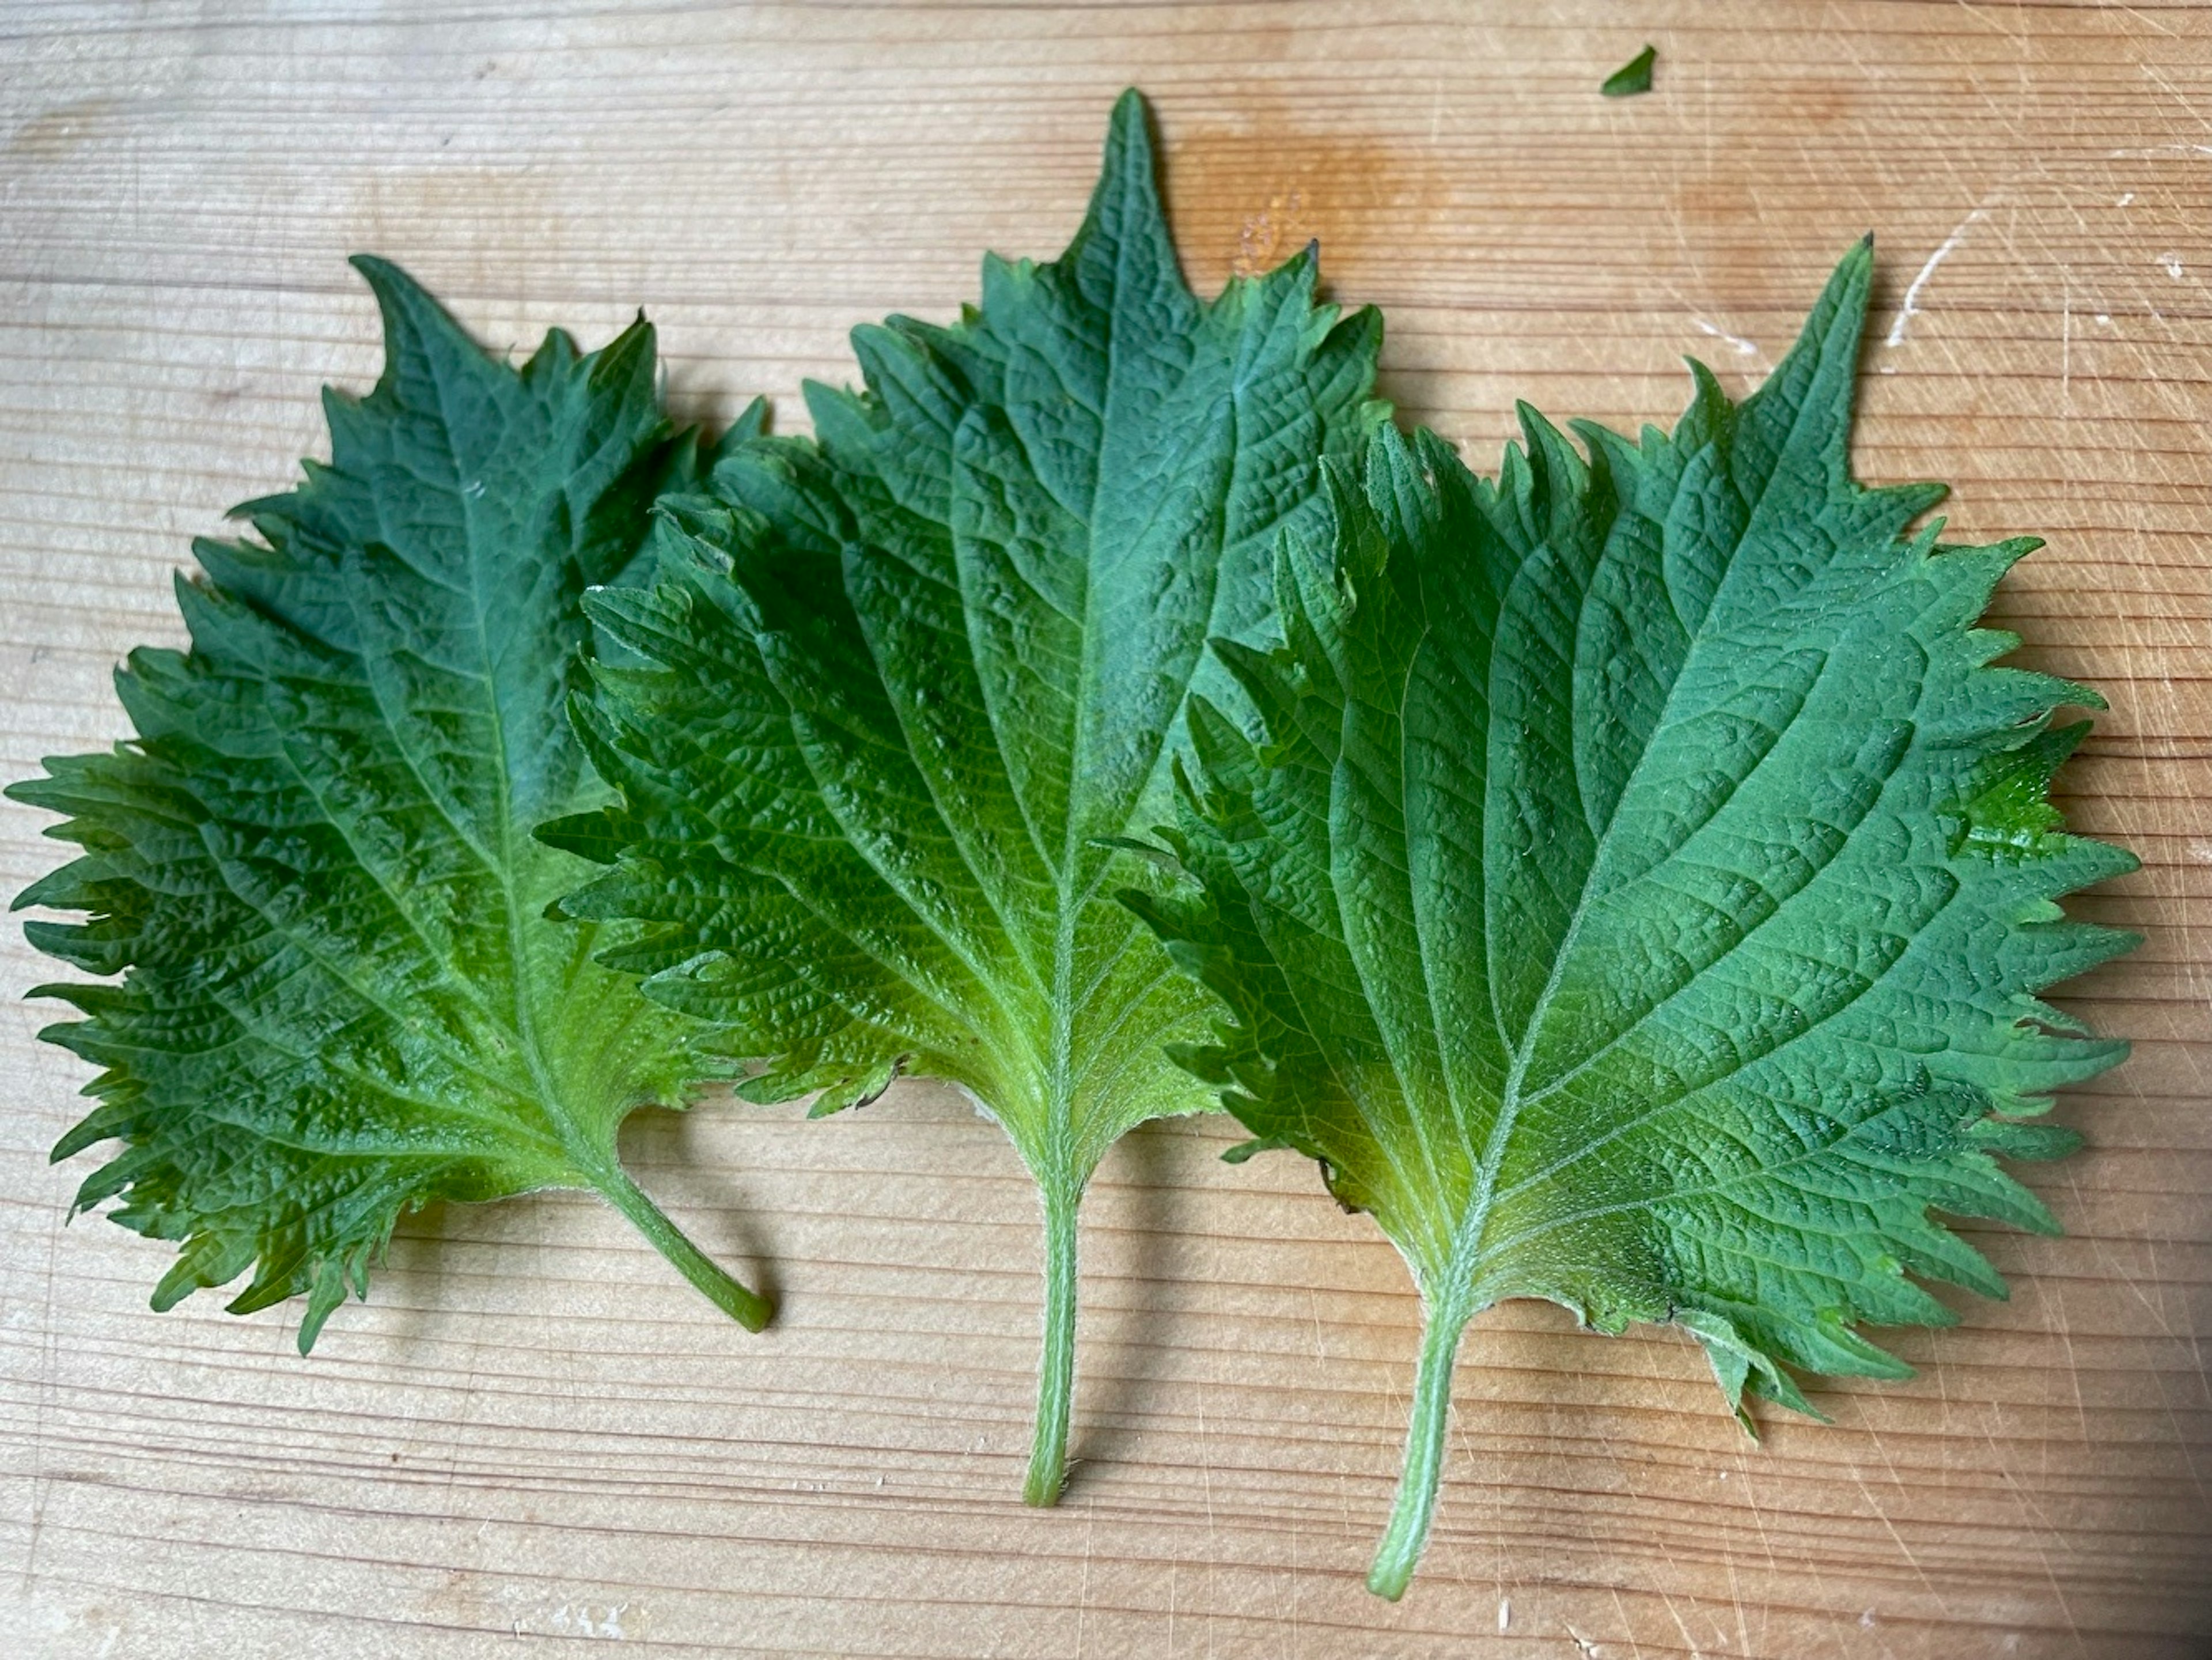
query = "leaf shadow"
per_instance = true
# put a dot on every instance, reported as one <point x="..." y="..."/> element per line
<point x="411" y="1283"/>
<point x="1124" y="1341"/>
<point x="416" y="1284"/>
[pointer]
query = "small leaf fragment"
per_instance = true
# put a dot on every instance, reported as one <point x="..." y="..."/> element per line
<point x="1634" y="77"/>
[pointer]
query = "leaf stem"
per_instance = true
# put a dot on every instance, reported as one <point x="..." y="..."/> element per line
<point x="747" y="1308"/>
<point x="1402" y="1541"/>
<point x="1057" y="1370"/>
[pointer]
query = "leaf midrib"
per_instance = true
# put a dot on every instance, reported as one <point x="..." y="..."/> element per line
<point x="586" y="1157"/>
<point x="1059" y="1102"/>
<point x="1467" y="1245"/>
<point x="1058" y="1143"/>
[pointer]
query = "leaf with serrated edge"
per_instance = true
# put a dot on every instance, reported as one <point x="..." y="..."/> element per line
<point x="901" y="692"/>
<point x="1637" y="890"/>
<point x="341" y="997"/>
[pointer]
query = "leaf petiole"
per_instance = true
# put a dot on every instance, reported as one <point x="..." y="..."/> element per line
<point x="1057" y="1370"/>
<point x="747" y="1308"/>
<point x="1400" y="1552"/>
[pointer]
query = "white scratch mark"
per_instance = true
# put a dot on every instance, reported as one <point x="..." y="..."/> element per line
<point x="2151" y="21"/>
<point x="1748" y="348"/>
<point x="1504" y="1613"/>
<point x="1911" y="308"/>
<point x="2148" y="152"/>
<point x="1688" y="1641"/>
<point x="2066" y="353"/>
<point x="2174" y="268"/>
<point x="589" y="1619"/>
<point x="1882" y="1515"/>
<point x="2124" y="200"/>
<point x="1589" y="1648"/>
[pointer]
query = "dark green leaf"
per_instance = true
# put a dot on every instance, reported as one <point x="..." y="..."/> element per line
<point x="313" y="868"/>
<point x="904" y="693"/>
<point x="1638" y="889"/>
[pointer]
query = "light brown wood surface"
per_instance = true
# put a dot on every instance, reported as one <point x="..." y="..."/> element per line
<point x="533" y="1437"/>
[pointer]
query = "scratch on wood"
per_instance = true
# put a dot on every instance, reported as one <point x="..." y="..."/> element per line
<point x="1747" y="347"/>
<point x="1911" y="308"/>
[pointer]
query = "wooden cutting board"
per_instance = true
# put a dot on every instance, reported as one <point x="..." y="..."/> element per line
<point x="533" y="1437"/>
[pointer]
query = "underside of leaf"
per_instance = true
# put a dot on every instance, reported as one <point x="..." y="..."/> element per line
<point x="314" y="869"/>
<point x="898" y="691"/>
<point x="1637" y="886"/>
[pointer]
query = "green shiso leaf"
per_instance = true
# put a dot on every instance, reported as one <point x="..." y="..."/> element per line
<point x="1637" y="888"/>
<point x="1631" y="77"/>
<point x="340" y="998"/>
<point x="898" y="691"/>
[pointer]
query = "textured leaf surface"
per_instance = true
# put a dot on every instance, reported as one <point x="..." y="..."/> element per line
<point x="1637" y="895"/>
<point x="341" y="997"/>
<point x="897" y="693"/>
